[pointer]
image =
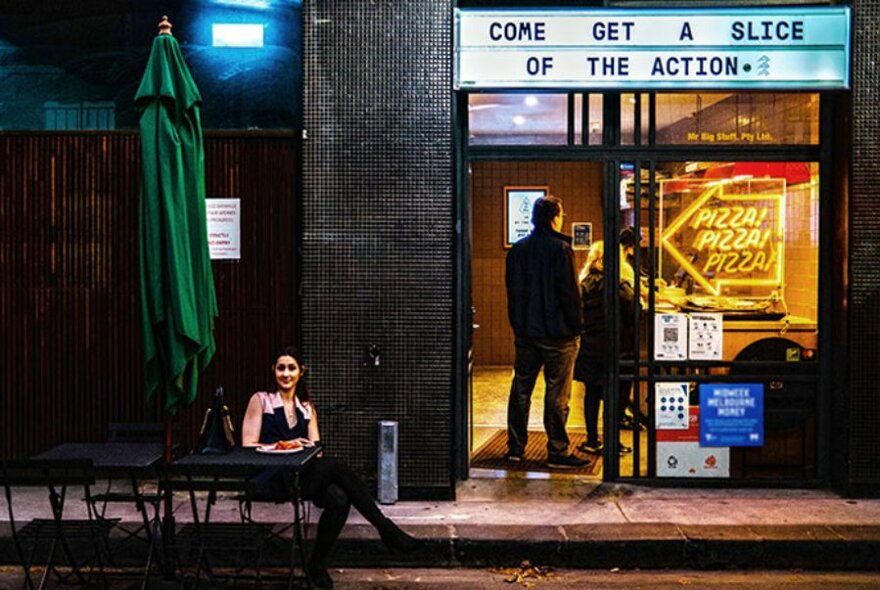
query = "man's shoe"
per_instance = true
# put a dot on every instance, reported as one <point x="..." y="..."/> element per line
<point x="630" y="423"/>
<point x="592" y="447"/>
<point x="511" y="458"/>
<point x="567" y="462"/>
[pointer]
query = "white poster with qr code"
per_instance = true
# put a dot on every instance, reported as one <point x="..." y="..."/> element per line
<point x="670" y="336"/>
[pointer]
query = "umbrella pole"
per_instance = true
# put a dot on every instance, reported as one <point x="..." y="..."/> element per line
<point x="168" y="525"/>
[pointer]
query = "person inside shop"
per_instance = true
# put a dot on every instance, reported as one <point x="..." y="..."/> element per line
<point x="544" y="309"/>
<point x="591" y="366"/>
<point x="627" y="240"/>
<point x="288" y="414"/>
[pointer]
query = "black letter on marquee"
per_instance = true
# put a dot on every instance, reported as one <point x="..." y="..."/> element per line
<point x="657" y="70"/>
<point x="686" y="32"/>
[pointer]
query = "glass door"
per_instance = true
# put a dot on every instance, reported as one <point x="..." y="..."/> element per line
<point x="721" y="345"/>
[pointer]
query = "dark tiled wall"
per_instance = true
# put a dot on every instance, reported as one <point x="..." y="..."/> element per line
<point x="378" y="236"/>
<point x="378" y="229"/>
<point x="864" y="293"/>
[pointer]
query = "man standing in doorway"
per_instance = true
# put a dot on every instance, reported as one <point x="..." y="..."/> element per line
<point x="544" y="309"/>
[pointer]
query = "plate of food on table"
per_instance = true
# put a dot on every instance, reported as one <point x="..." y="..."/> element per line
<point x="281" y="447"/>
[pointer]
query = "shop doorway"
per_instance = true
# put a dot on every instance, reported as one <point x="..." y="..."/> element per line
<point x="501" y="193"/>
<point x="728" y="230"/>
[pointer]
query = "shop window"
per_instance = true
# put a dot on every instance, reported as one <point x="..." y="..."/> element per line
<point x="739" y="238"/>
<point x="534" y="119"/>
<point x="518" y="119"/>
<point x="588" y="119"/>
<point x="737" y="118"/>
<point x="734" y="238"/>
<point x="595" y="128"/>
<point x="629" y="105"/>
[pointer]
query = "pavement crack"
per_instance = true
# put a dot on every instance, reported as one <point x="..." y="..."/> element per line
<point x="622" y="512"/>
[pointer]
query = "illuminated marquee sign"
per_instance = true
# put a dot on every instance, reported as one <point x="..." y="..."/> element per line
<point x="768" y="48"/>
<point x="726" y="237"/>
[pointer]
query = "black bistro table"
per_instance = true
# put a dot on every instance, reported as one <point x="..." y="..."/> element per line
<point x="109" y="458"/>
<point x="231" y="472"/>
<point x="130" y="460"/>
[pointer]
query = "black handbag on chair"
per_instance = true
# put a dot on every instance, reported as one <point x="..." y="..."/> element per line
<point x="217" y="435"/>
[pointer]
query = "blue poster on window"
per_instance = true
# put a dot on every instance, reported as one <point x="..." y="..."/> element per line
<point x="732" y="415"/>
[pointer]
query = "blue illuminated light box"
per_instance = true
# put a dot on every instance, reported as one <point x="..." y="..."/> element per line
<point x="237" y="35"/>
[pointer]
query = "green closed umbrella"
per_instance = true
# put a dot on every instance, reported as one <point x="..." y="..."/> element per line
<point x="178" y="301"/>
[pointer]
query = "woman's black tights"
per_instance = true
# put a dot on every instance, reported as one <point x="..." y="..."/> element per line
<point x="334" y="487"/>
<point x="593" y="394"/>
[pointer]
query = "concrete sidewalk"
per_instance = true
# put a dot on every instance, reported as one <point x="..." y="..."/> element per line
<point x="571" y="522"/>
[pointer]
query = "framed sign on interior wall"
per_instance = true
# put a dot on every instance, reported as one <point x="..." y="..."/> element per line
<point x="582" y="235"/>
<point x="518" y="203"/>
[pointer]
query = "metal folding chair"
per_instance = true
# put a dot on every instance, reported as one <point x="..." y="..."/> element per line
<point x="199" y="545"/>
<point x="58" y="538"/>
<point x="131" y="492"/>
<point x="246" y="501"/>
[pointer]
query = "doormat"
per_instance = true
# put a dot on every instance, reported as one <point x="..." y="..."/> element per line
<point x="491" y="454"/>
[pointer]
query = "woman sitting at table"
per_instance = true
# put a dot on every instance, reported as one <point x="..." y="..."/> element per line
<point x="288" y="414"/>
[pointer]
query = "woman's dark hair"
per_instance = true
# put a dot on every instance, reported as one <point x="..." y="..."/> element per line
<point x="545" y="210"/>
<point x="627" y="236"/>
<point x="302" y="387"/>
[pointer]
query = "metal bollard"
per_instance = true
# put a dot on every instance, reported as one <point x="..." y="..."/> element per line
<point x="388" y="461"/>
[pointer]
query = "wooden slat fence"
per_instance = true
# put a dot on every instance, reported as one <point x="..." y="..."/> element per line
<point x="70" y="336"/>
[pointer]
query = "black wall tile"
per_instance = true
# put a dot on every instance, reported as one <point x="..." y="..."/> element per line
<point x="378" y="229"/>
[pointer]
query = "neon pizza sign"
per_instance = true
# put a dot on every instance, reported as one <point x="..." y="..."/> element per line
<point x="729" y="235"/>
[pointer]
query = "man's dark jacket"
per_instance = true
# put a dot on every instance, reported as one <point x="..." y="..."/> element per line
<point x="543" y="299"/>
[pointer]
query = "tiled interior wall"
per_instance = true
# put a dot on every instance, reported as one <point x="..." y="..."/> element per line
<point x="578" y="184"/>
<point x="802" y="250"/>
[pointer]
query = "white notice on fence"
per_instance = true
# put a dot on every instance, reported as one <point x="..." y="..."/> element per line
<point x="671" y="403"/>
<point x="224" y="228"/>
<point x="705" y="336"/>
<point x="670" y="336"/>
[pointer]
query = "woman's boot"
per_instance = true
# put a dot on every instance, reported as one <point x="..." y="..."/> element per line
<point x="396" y="538"/>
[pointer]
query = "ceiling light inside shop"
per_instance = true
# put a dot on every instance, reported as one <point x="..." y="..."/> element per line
<point x="237" y="35"/>
<point x="531" y="101"/>
<point x="519" y="120"/>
